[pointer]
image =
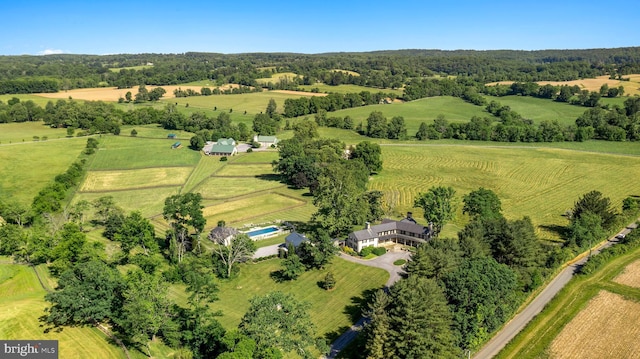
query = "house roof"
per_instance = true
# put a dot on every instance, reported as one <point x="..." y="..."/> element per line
<point x="219" y="234"/>
<point x="226" y="141"/>
<point x="222" y="149"/>
<point x="295" y="238"/>
<point x="273" y="139"/>
<point x="389" y="225"/>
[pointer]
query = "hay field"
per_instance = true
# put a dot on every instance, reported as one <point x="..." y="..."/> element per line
<point x="22" y="303"/>
<point x="630" y="275"/>
<point x="246" y="209"/>
<point x="606" y="328"/>
<point x="275" y="78"/>
<point x="541" y="183"/>
<point x="347" y="88"/>
<point x="631" y="87"/>
<point x="38" y="100"/>
<point x="149" y="202"/>
<point x="257" y="157"/>
<point x="253" y="103"/>
<point x="27" y="167"/>
<point x="24" y="131"/>
<point x="101" y="181"/>
<point x="111" y="94"/>
<point x="538" y="109"/>
<point x="221" y="187"/>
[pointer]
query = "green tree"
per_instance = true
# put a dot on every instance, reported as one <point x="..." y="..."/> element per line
<point x="630" y="204"/>
<point x="305" y="130"/>
<point x="377" y="329"/>
<point x="292" y="267"/>
<point x="586" y="230"/>
<point x="184" y="213"/>
<point x="420" y="321"/>
<point x="197" y="142"/>
<point x="70" y="248"/>
<point x="376" y="125"/>
<point x="422" y="133"/>
<point x="271" y="108"/>
<point x="397" y="129"/>
<point x="482" y="203"/>
<point x="86" y="295"/>
<point x="595" y="203"/>
<point x="370" y="154"/>
<point x="278" y="320"/>
<point x="435" y="258"/>
<point x="104" y="207"/>
<point x="329" y="281"/>
<point x="239" y="249"/>
<point x="136" y="231"/>
<point x="438" y="206"/>
<point x="483" y="295"/>
<point x="318" y="251"/>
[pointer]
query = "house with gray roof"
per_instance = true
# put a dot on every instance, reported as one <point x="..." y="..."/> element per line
<point x="266" y="141"/>
<point x="295" y="239"/>
<point x="406" y="231"/>
<point x="222" y="147"/>
<point x="222" y="235"/>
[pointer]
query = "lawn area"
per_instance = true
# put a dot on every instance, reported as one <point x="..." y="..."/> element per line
<point x="28" y="167"/>
<point x="245" y="169"/>
<point x="572" y="303"/>
<point x="257" y="157"/>
<point x="116" y="152"/>
<point x="541" y="183"/>
<point x="221" y="187"/>
<point x="246" y="210"/>
<point x="22" y="303"/>
<point x="102" y="181"/>
<point x="156" y="131"/>
<point x="538" y="109"/>
<point x="331" y="311"/>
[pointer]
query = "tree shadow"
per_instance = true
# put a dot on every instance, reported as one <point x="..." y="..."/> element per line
<point x="301" y="227"/>
<point x="278" y="276"/>
<point x="562" y="231"/>
<point x="270" y="177"/>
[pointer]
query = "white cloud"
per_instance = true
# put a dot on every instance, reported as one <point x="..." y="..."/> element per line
<point x="50" y="52"/>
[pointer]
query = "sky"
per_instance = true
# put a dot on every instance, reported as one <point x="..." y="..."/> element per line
<point x="239" y="26"/>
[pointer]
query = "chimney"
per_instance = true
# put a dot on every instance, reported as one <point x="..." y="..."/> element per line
<point x="409" y="215"/>
<point x="367" y="225"/>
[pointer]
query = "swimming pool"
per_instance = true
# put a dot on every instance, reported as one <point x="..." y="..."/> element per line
<point x="262" y="231"/>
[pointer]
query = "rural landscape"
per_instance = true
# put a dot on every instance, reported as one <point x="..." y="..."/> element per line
<point x="263" y="205"/>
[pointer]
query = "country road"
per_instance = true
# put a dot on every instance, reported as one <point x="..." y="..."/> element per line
<point x="512" y="328"/>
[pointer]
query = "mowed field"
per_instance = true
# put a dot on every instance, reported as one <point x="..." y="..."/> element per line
<point x="541" y="183"/>
<point x="538" y="109"/>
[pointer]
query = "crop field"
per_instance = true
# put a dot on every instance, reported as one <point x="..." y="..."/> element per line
<point x="541" y="183"/>
<point x="117" y="152"/>
<point x="38" y="100"/>
<point x="221" y="187"/>
<point x="22" y="302"/>
<point x="331" y="311"/>
<point x="137" y="68"/>
<point x="245" y="209"/>
<point x="585" y="335"/>
<point x="630" y="276"/>
<point x="631" y="87"/>
<point x="27" y="167"/>
<point x="415" y="112"/>
<point x="538" y="109"/>
<point x="275" y="78"/>
<point x="110" y="94"/>
<point x="102" y="181"/>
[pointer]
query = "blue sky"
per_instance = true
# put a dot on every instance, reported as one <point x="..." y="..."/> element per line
<point x="235" y="26"/>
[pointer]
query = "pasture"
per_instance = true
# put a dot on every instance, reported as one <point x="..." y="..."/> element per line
<point x="27" y="167"/>
<point x="110" y="94"/>
<point x="221" y="187"/>
<point x="38" y="100"/>
<point x="541" y="183"/>
<point x="103" y="181"/>
<point x="24" y="132"/>
<point x="592" y="317"/>
<point x="276" y="78"/>
<point x="538" y="109"/>
<point x="346" y="88"/>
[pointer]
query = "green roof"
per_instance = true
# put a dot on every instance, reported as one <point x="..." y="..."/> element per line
<point x="222" y="149"/>
<point x="273" y="139"/>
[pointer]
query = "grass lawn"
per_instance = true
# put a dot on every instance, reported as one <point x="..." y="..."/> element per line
<point x="228" y="187"/>
<point x="257" y="157"/>
<point x="28" y="167"/>
<point x="538" y="109"/>
<point x="22" y="303"/>
<point x="206" y="167"/>
<point x="245" y="169"/>
<point x="331" y="311"/>
<point x="534" y="341"/>
<point x="117" y="152"/>
<point x="102" y="181"/>
<point x="541" y="183"/>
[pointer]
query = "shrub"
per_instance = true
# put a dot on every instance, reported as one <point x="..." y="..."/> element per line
<point x="329" y="281"/>
<point x="255" y="144"/>
<point x="366" y="251"/>
<point x="134" y="133"/>
<point x="379" y="251"/>
<point x="249" y="150"/>
<point x="223" y="158"/>
<point x="399" y="262"/>
<point x="349" y="250"/>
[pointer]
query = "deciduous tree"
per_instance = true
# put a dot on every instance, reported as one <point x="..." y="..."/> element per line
<point x="438" y="206"/>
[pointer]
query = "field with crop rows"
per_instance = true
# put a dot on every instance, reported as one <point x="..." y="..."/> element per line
<point x="102" y="181"/>
<point x="630" y="276"/>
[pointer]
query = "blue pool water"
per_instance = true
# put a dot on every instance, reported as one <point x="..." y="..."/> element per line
<point x="261" y="231"/>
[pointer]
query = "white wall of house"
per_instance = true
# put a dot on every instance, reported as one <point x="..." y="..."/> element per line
<point x="373" y="242"/>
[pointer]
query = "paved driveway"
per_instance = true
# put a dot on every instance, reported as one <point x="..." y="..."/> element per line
<point x="384" y="262"/>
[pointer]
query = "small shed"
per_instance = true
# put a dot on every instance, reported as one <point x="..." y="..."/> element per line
<point x="176" y="145"/>
<point x="172" y="136"/>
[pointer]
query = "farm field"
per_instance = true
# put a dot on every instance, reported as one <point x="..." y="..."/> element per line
<point x="27" y="167"/>
<point x="538" y="109"/>
<point x="245" y="209"/>
<point x="38" y="100"/>
<point x="101" y="181"/>
<point x="631" y="87"/>
<point x="630" y="276"/>
<point x="276" y="78"/>
<point x="110" y="94"/>
<point x="331" y="311"/>
<point x="541" y="183"/>
<point x="594" y="310"/>
<point x="24" y="131"/>
<point x="221" y="188"/>
<point x="348" y="89"/>
<point x="415" y="112"/>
